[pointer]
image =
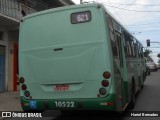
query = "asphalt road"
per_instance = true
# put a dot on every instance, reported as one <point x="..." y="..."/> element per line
<point x="148" y="99"/>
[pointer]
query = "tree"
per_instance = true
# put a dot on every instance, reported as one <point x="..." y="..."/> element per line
<point x="158" y="55"/>
<point x="147" y="52"/>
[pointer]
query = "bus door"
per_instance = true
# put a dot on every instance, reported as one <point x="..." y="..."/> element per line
<point x="120" y="81"/>
<point x="140" y="66"/>
<point x="117" y="62"/>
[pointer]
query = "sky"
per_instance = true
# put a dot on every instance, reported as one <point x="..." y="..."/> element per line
<point x="140" y="17"/>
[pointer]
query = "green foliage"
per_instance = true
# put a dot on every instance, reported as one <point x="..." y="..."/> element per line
<point x="158" y="57"/>
<point x="147" y="52"/>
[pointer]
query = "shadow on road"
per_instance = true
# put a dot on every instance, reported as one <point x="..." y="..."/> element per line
<point x="99" y="115"/>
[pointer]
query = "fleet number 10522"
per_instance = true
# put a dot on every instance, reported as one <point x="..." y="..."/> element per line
<point x="64" y="104"/>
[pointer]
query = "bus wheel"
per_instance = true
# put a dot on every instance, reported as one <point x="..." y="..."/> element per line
<point x="132" y="102"/>
<point x="144" y="76"/>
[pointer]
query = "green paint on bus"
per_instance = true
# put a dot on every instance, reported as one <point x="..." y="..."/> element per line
<point x="78" y="58"/>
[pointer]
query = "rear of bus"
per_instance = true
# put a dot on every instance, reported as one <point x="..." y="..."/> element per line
<point x="64" y="60"/>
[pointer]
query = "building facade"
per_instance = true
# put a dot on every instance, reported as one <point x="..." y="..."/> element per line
<point x="10" y="16"/>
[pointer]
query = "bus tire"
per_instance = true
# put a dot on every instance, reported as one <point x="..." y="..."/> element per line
<point x="149" y="73"/>
<point x="144" y="78"/>
<point x="132" y="102"/>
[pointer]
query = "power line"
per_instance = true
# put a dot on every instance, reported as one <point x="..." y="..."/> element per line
<point x="130" y="4"/>
<point x="132" y="10"/>
<point x="147" y="31"/>
<point x="119" y="3"/>
<point x="145" y="24"/>
<point x="116" y="12"/>
<point x="154" y="5"/>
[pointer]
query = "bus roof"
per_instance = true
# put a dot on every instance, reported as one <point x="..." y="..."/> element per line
<point x="75" y="7"/>
<point x="61" y="9"/>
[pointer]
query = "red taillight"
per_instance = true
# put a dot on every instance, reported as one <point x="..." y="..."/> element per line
<point x="105" y="83"/>
<point x="24" y="87"/>
<point x="21" y="80"/>
<point x="106" y="75"/>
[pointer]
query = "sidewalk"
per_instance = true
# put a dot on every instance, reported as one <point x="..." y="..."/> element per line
<point x="10" y="101"/>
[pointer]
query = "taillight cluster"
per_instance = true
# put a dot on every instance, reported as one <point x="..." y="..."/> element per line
<point x="24" y="87"/>
<point x="106" y="75"/>
<point x="104" y="83"/>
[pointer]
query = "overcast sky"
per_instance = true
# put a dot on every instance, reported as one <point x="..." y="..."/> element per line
<point x="140" y="17"/>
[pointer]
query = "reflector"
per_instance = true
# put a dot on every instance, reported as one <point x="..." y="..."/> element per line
<point x="102" y="91"/>
<point x="21" y="80"/>
<point x="27" y="93"/>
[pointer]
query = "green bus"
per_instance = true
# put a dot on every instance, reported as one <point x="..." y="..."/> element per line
<point x="78" y="58"/>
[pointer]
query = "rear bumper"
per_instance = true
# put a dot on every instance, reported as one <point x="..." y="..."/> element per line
<point x="107" y="103"/>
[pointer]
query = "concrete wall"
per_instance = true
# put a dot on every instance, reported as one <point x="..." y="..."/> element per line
<point x="10" y="38"/>
<point x="4" y="42"/>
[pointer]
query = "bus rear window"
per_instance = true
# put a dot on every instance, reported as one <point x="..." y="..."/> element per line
<point x="80" y="17"/>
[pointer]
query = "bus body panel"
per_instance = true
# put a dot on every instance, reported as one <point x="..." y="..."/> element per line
<point x="63" y="62"/>
<point x="63" y="104"/>
<point x="74" y="60"/>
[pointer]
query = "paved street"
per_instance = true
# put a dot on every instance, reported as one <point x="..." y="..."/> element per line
<point x="149" y="97"/>
<point x="147" y="100"/>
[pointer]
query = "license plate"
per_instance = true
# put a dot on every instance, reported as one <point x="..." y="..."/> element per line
<point x="64" y="104"/>
<point x="61" y="87"/>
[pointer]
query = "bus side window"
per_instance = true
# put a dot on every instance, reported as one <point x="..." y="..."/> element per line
<point x="139" y="51"/>
<point x="118" y="39"/>
<point x="112" y="38"/>
<point x="132" y="48"/>
<point x="135" y="47"/>
<point x="128" y="48"/>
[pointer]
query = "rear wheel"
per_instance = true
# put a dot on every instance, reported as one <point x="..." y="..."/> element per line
<point x="132" y="102"/>
<point x="149" y="72"/>
<point x="144" y="78"/>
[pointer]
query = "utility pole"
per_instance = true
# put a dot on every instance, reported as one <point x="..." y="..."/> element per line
<point x="81" y="1"/>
